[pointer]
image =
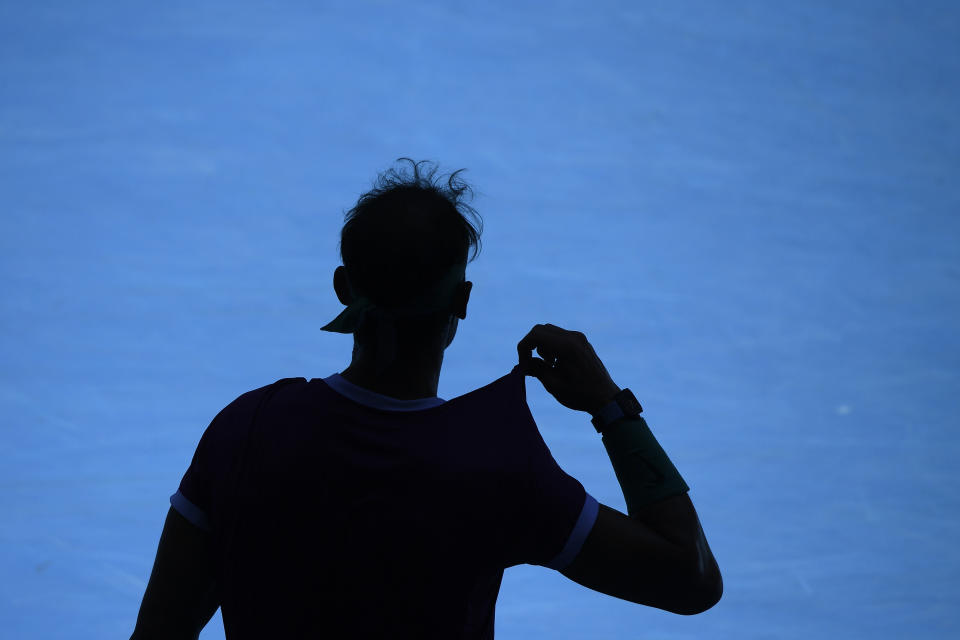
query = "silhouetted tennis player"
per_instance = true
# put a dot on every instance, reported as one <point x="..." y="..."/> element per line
<point x="361" y="505"/>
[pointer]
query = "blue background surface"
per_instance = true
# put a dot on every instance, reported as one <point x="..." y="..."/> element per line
<point x="751" y="208"/>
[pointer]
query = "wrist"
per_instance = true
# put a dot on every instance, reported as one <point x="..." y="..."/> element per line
<point x="604" y="400"/>
<point x="622" y="404"/>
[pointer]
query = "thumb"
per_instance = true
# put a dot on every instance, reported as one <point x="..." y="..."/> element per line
<point x="537" y="368"/>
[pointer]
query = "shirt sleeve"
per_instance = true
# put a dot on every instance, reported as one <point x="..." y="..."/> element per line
<point x="213" y="461"/>
<point x="193" y="497"/>
<point x="555" y="513"/>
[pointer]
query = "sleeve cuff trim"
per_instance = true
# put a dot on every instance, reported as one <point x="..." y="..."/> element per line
<point x="190" y="511"/>
<point x="588" y="516"/>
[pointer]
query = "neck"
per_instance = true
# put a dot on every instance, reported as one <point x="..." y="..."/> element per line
<point x="415" y="371"/>
<point x="406" y="378"/>
<point x="395" y="382"/>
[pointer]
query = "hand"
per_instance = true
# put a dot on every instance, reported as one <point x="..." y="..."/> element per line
<point x="570" y="370"/>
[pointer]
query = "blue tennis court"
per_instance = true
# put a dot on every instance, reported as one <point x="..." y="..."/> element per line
<point x="751" y="209"/>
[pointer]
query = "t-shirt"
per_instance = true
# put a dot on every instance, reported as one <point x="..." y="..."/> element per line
<point x="336" y="512"/>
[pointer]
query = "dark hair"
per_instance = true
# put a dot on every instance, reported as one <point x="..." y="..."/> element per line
<point x="403" y="235"/>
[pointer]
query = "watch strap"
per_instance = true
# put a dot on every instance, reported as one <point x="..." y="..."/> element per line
<point x="622" y="404"/>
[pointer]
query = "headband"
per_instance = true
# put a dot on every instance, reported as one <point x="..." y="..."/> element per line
<point x="435" y="298"/>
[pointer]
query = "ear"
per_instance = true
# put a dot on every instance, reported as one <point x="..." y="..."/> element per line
<point x="341" y="285"/>
<point x="463" y="297"/>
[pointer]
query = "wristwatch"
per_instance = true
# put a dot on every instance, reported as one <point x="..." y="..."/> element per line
<point x="623" y="404"/>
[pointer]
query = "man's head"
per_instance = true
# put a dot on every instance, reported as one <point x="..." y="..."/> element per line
<point x="401" y="238"/>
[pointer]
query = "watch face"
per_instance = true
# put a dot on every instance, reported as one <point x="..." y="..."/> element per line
<point x="629" y="401"/>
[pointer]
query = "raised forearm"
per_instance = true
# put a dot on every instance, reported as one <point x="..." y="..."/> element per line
<point x="655" y="492"/>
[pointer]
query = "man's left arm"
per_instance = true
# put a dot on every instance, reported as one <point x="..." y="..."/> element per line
<point x="182" y="595"/>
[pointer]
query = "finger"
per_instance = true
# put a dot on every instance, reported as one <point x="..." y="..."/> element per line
<point x="526" y="345"/>
<point x="549" y="340"/>
<point x="541" y="371"/>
